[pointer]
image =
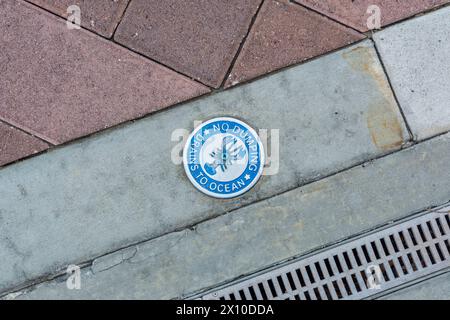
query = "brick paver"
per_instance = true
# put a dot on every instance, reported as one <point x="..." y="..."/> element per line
<point x="101" y="16"/>
<point x="416" y="54"/>
<point x="196" y="37"/>
<point x="284" y="34"/>
<point x="354" y="13"/>
<point x="120" y="187"/>
<point x="15" y="144"/>
<point x="61" y="84"/>
<point x="257" y="236"/>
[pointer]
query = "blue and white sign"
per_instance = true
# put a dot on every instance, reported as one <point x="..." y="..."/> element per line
<point x="223" y="157"/>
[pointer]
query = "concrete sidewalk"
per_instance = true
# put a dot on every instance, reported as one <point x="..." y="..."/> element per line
<point x="270" y="231"/>
<point x="94" y="203"/>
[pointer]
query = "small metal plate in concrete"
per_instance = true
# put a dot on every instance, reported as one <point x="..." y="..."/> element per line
<point x="224" y="157"/>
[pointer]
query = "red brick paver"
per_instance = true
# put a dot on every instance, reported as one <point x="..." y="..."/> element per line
<point x="284" y="34"/>
<point x="15" y="144"/>
<point x="61" y="84"/>
<point x="354" y="12"/>
<point x="196" y="37"/>
<point x="101" y="16"/>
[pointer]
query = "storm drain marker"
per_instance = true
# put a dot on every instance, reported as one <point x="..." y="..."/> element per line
<point x="357" y="269"/>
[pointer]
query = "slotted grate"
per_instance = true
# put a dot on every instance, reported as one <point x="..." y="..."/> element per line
<point x="357" y="269"/>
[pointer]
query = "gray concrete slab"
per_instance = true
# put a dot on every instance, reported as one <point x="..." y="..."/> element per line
<point x="269" y="231"/>
<point x="120" y="187"/>
<point x="437" y="288"/>
<point x="416" y="54"/>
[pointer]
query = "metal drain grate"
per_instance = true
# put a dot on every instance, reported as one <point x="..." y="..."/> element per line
<point x="357" y="269"/>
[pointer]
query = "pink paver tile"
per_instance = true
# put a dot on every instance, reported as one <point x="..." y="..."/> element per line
<point x="61" y="84"/>
<point x="15" y="144"/>
<point x="101" y="16"/>
<point x="284" y="34"/>
<point x="355" y="13"/>
<point x="196" y="37"/>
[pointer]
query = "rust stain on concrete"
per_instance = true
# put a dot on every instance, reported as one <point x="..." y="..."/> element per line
<point x="299" y="225"/>
<point x="382" y="117"/>
<point x="362" y="59"/>
<point x="384" y="126"/>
